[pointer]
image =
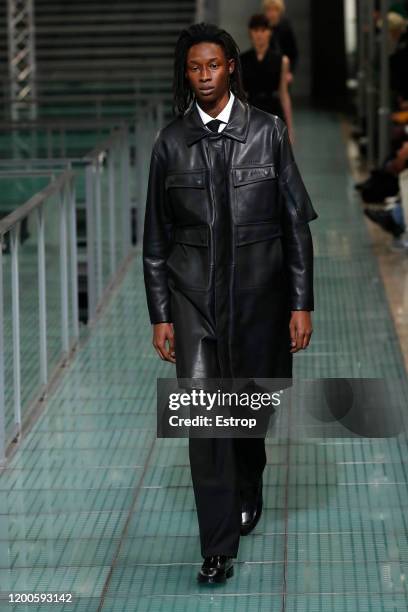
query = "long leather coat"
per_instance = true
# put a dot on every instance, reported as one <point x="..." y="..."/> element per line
<point x="227" y="249"/>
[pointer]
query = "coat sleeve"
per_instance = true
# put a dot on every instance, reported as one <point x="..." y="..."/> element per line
<point x="297" y="211"/>
<point x="157" y="242"/>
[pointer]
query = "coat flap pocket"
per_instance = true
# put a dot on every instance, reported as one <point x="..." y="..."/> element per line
<point x="253" y="174"/>
<point x="185" y="179"/>
<point x="196" y="235"/>
<point x="254" y="232"/>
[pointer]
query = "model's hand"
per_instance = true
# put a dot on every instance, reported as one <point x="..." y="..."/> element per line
<point x="301" y="329"/>
<point x="163" y="334"/>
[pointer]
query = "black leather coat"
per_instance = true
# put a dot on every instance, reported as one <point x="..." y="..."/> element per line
<point x="227" y="249"/>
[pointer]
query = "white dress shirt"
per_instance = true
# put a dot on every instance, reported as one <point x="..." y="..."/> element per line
<point x="224" y="115"/>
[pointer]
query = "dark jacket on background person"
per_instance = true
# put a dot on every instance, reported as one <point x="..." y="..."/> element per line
<point x="283" y="41"/>
<point x="261" y="80"/>
<point x="399" y="67"/>
<point x="227" y="249"/>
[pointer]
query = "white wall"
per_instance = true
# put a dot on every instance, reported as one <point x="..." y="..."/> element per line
<point x="233" y="17"/>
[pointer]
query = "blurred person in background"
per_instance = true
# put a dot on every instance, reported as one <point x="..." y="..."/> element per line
<point x="265" y="73"/>
<point x="400" y="7"/>
<point x="283" y="39"/>
<point x="381" y="191"/>
<point x="397" y="25"/>
<point x="399" y="59"/>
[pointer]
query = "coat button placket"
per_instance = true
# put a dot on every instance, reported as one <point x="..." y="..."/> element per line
<point x="223" y="253"/>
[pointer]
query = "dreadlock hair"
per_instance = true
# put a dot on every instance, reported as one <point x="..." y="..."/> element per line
<point x="196" y="33"/>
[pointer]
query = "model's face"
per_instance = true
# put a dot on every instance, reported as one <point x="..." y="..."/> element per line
<point x="207" y="71"/>
<point x="260" y="37"/>
<point x="273" y="14"/>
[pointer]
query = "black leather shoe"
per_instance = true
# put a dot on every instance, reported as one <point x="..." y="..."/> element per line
<point x="251" y="513"/>
<point x="215" y="569"/>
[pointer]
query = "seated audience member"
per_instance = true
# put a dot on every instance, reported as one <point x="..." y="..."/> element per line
<point x="383" y="186"/>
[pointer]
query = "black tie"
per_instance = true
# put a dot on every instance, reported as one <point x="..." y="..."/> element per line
<point x="214" y="124"/>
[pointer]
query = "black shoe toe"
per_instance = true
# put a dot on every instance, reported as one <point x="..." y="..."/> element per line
<point x="215" y="569"/>
<point x="250" y="514"/>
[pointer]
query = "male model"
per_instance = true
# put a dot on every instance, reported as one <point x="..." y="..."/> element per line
<point x="228" y="267"/>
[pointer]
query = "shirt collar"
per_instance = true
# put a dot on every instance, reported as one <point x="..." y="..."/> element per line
<point x="236" y="128"/>
<point x="223" y="116"/>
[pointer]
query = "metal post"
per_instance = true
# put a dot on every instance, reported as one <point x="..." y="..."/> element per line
<point x="200" y="7"/>
<point x="362" y="61"/>
<point x="148" y="138"/>
<point x="371" y="91"/>
<point x="125" y="177"/>
<point x="138" y="173"/>
<point x="138" y="157"/>
<point x="111" y="207"/>
<point x="2" y="360"/>
<point x="160" y="115"/>
<point x="49" y="143"/>
<point x="21" y="57"/>
<point x="15" y="298"/>
<point x="34" y="152"/>
<point x="207" y="10"/>
<point x="63" y="142"/>
<point x="74" y="257"/>
<point x="151" y="121"/>
<point x="64" y="272"/>
<point x="98" y="225"/>
<point x="42" y="303"/>
<point x="384" y="108"/>
<point x="90" y="242"/>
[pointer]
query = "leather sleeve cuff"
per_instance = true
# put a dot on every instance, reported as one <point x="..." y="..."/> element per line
<point x="307" y="307"/>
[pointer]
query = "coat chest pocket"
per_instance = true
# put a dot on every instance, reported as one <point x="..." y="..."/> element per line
<point x="188" y="264"/>
<point x="259" y="256"/>
<point x="256" y="193"/>
<point x="187" y="196"/>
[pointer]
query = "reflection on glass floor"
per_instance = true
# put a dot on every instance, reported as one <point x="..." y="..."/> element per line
<point x="95" y="505"/>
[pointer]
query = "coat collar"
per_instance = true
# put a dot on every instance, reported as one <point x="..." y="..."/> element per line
<point x="236" y="128"/>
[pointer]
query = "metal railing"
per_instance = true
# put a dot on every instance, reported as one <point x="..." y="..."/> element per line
<point x="29" y="138"/>
<point x="63" y="188"/>
<point x="111" y="156"/>
<point x="99" y="105"/>
<point x="108" y="182"/>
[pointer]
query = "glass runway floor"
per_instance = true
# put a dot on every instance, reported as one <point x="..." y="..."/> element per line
<point x="94" y="505"/>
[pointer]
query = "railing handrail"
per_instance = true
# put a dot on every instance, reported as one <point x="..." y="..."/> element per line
<point x="131" y="77"/>
<point x="137" y="95"/>
<point x="108" y="246"/>
<point x="22" y="211"/>
<point x="78" y="123"/>
<point x="40" y="161"/>
<point x="94" y="153"/>
<point x="81" y="123"/>
<point x="27" y="173"/>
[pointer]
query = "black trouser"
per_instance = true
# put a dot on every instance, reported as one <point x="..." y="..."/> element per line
<point x="224" y="472"/>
